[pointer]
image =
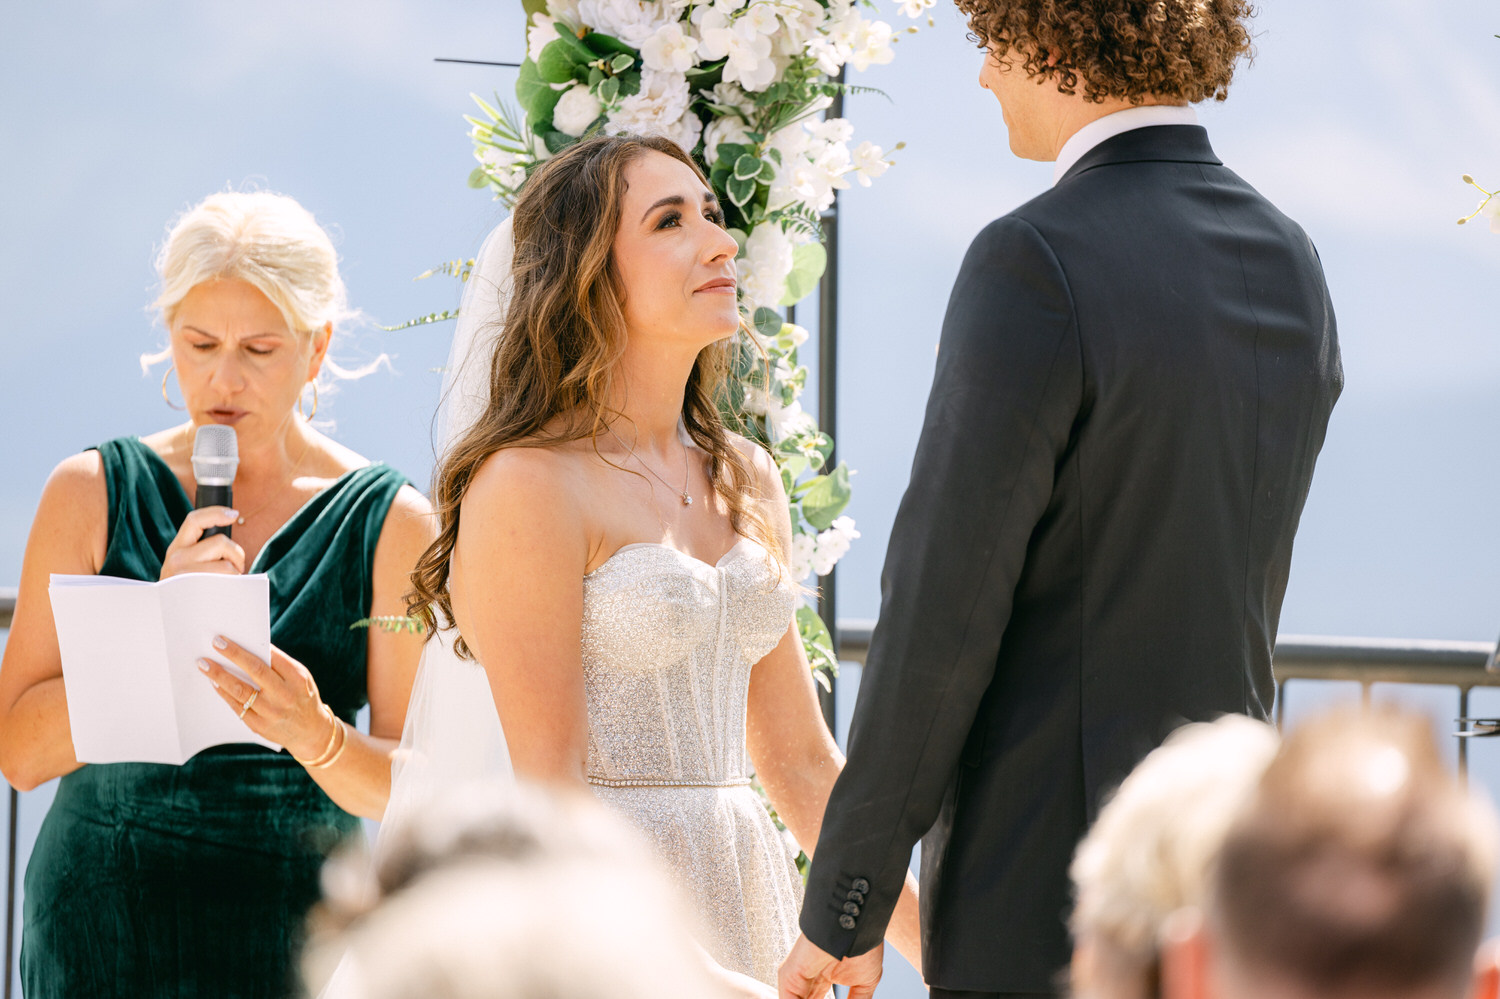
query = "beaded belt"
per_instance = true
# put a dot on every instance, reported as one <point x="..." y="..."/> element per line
<point x="664" y="782"/>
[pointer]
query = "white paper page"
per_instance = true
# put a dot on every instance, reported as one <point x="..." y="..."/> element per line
<point x="120" y="703"/>
<point x="196" y="606"/>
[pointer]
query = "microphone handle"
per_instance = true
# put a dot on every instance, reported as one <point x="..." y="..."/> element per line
<point x="214" y="496"/>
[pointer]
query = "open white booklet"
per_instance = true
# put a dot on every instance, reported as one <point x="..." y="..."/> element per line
<point x="130" y="653"/>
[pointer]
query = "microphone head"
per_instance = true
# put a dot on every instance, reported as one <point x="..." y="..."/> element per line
<point x="216" y="455"/>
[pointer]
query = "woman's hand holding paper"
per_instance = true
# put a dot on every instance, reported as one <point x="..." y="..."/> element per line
<point x="190" y="551"/>
<point x="285" y="706"/>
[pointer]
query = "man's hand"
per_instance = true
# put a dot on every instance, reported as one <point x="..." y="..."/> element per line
<point x="808" y="971"/>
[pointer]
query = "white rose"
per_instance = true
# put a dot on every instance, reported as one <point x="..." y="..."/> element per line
<point x="656" y="110"/>
<point x="727" y="129"/>
<point x="686" y="131"/>
<point x="731" y="95"/>
<point x="869" y="162"/>
<point x="631" y="21"/>
<point x="576" y="110"/>
<point x="543" y="32"/>
<point x="669" y="49"/>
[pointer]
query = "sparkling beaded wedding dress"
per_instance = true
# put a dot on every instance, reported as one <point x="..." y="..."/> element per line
<point x="668" y="645"/>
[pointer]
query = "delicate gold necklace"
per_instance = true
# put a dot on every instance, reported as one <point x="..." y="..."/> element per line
<point x="687" y="476"/>
<point x="295" y="465"/>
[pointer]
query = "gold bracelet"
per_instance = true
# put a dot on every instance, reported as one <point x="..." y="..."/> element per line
<point x="343" y="733"/>
<point x="332" y="738"/>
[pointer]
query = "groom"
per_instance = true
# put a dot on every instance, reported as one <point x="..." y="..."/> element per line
<point x="1135" y="375"/>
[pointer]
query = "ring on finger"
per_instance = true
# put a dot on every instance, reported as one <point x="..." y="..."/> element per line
<point x="249" y="701"/>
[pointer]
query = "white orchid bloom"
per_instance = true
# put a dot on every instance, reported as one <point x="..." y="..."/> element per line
<point x="869" y="162"/>
<point x="761" y="17"/>
<point x="670" y="49"/>
<point x="916" y="8"/>
<point x="871" y="45"/>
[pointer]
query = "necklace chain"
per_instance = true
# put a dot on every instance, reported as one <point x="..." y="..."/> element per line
<point x="274" y="496"/>
<point x="687" y="477"/>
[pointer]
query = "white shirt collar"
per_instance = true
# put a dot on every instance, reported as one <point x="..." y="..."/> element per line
<point x="1111" y="125"/>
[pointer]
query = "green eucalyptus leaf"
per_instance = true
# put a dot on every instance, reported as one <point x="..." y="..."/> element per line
<point x="558" y="62"/>
<point x="826" y="497"/>
<point x="622" y="62"/>
<point x="581" y="52"/>
<point x="768" y="322"/>
<point x="478" y="178"/>
<point x="775" y="154"/>
<point x="809" y="261"/>
<point x="557" y="141"/>
<point x="596" y="76"/>
<point x="746" y="167"/>
<point x="609" y="90"/>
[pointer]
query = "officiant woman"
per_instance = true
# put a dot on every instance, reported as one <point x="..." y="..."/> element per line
<point x="153" y="880"/>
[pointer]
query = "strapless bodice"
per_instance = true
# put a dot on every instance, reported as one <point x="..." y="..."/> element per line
<point x="668" y="644"/>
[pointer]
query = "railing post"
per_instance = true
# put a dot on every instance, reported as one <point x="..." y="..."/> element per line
<point x="1463" y="742"/>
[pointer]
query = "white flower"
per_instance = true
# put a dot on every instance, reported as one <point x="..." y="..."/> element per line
<point x="833" y="544"/>
<point x="504" y="167"/>
<point x="669" y="49"/>
<point x="914" y="8"/>
<point x="791" y="141"/>
<point x="761" y="18"/>
<point x="658" y="109"/>
<point x="868" y="163"/>
<point x="564" y="10"/>
<point x="803" y="548"/>
<point x="543" y="32"/>
<point x="731" y="95"/>
<point x="631" y="21"/>
<point x="827" y="54"/>
<point x="767" y="262"/>
<point x="749" y="52"/>
<point x="830" y="130"/>
<point x="576" y="110"/>
<point x="802" y="18"/>
<point x="726" y="129"/>
<point x="871" y="45"/>
<point x="797" y="333"/>
<point x="1491" y="211"/>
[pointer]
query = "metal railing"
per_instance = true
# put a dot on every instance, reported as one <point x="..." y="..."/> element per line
<point x="1366" y="661"/>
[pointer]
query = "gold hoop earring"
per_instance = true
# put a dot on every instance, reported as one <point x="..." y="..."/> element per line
<point x="308" y="416"/>
<point x="164" y="396"/>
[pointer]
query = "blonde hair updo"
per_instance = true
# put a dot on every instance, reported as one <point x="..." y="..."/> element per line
<point x="266" y="240"/>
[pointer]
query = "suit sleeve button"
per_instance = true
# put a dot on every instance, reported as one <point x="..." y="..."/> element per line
<point x="846" y="921"/>
<point x="860" y="885"/>
<point x="857" y="897"/>
<point x="851" y="908"/>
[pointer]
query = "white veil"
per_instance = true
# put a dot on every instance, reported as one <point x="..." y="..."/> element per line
<point x="452" y="739"/>
<point x="452" y="736"/>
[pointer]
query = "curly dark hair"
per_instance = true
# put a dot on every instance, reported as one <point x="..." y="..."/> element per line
<point x="1176" y="50"/>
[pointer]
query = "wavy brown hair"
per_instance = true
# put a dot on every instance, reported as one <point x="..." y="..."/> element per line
<point x="1175" y="50"/>
<point x="564" y="331"/>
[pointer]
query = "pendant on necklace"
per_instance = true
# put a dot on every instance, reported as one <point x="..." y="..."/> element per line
<point x="687" y="500"/>
<point x="241" y="521"/>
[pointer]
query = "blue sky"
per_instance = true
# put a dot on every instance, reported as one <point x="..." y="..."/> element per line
<point x="1356" y="118"/>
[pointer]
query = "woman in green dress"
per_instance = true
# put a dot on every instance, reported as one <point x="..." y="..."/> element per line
<point x="150" y="880"/>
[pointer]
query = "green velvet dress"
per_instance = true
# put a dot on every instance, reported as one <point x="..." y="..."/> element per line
<point x="150" y="880"/>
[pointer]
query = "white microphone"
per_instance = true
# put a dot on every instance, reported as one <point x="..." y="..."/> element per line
<point x="216" y="457"/>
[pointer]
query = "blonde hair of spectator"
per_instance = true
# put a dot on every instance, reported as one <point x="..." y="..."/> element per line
<point x="268" y="241"/>
<point x="1151" y="850"/>
<point x="507" y="894"/>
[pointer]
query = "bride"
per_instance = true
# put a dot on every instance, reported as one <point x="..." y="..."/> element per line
<point x="615" y="559"/>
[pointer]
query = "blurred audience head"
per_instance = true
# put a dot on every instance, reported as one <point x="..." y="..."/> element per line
<point x="506" y="894"/>
<point x="1360" y="869"/>
<point x="1151" y="850"/>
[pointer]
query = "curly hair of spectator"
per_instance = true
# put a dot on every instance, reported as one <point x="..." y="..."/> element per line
<point x="1174" y="50"/>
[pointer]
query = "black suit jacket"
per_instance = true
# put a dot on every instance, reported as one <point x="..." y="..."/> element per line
<point x="1134" y="379"/>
